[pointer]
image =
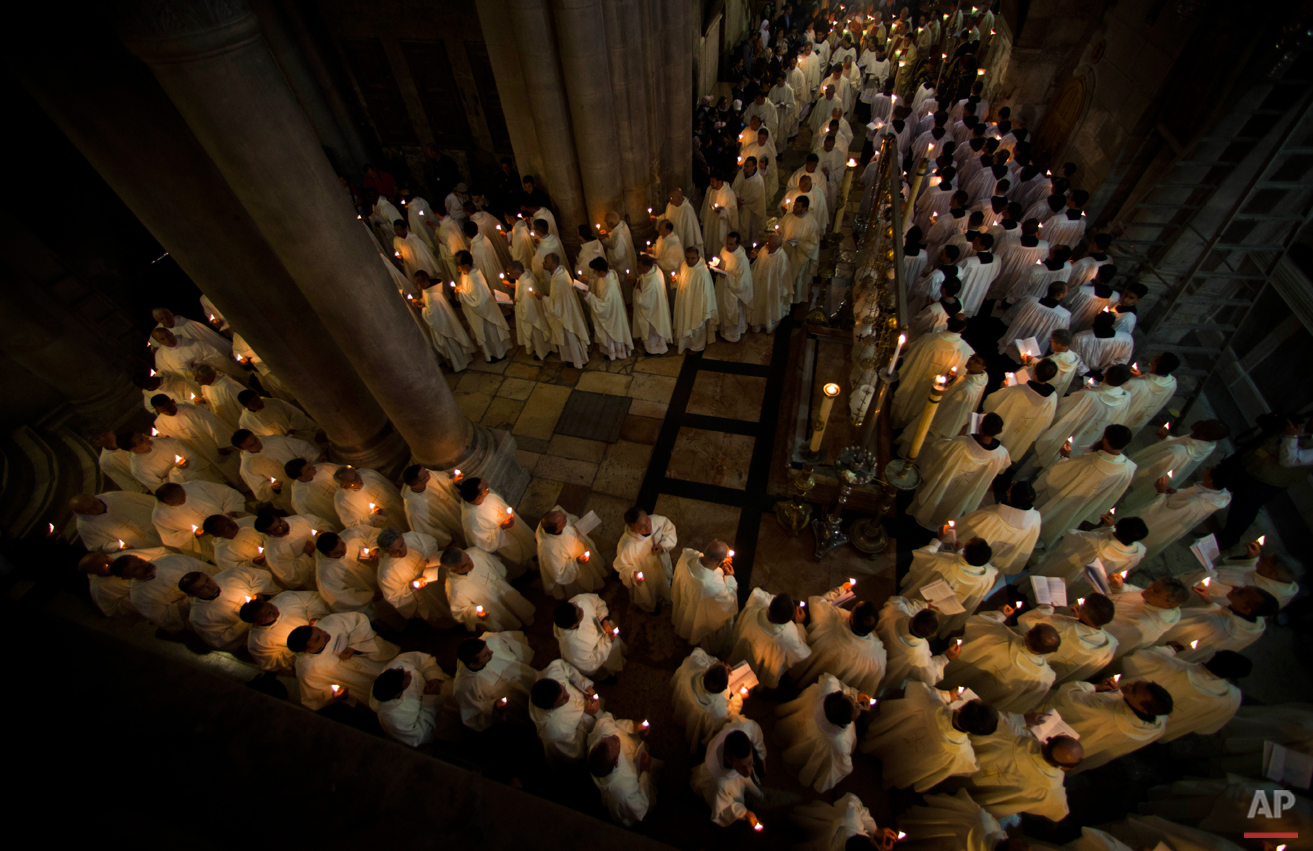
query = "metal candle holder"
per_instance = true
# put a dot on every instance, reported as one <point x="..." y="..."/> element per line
<point x="856" y="468"/>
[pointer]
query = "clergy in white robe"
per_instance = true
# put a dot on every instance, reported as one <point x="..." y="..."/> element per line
<point x="1027" y="408"/>
<point x="570" y="561"/>
<point x="155" y="462"/>
<point x="696" y="315"/>
<point x="486" y="259"/>
<point x="590" y="248"/>
<point x="668" y="250"/>
<point x="113" y="594"/>
<point x="563" y="707"/>
<point x="409" y="578"/>
<point x="180" y="512"/>
<point x="978" y="274"/>
<point x="414" y="253"/>
<point x="264" y="464"/>
<point x="116" y="463"/>
<point x="969" y="573"/>
<point x="1102" y="346"/>
<point x="1174" y="513"/>
<point x="221" y="393"/>
<point x="236" y="542"/>
<point x="734" y="285"/>
<point x="651" y="323"/>
<point x="418" y="210"/>
<point x="680" y="213"/>
<point x="587" y="637"/>
<point x="1083" y="416"/>
<point x="1144" y="615"/>
<point x="485" y="318"/>
<point x="703" y="701"/>
<point x="313" y="490"/>
<point x="1017" y="257"/>
<point x="1035" y="317"/>
<point x="338" y="659"/>
<point x="817" y="732"/>
<point x="201" y="432"/>
<point x="273" y="620"/>
<point x="1088" y="300"/>
<point x="432" y="504"/>
<point x="704" y="596"/>
<point x="346" y="569"/>
<point x="1267" y="572"/>
<point x="1067" y="361"/>
<point x="772" y="286"/>
<point x="1151" y="391"/>
<point x="493" y="526"/>
<point x="264" y="416"/>
<point x="1087" y="647"/>
<point x="1117" y="548"/>
<point x="720" y="215"/>
<point x="522" y="246"/>
<point x="493" y="678"/>
<point x="931" y="355"/>
<point x="620" y="250"/>
<point x="904" y="628"/>
<point x="843" y="643"/>
<point x="180" y="356"/>
<point x="365" y="498"/>
<point x="768" y="637"/>
<point x="729" y="779"/>
<point x="1203" y="699"/>
<point x="1083" y="488"/>
<point x="532" y="330"/>
<point x="642" y="558"/>
<point x="478" y="593"/>
<point x="1011" y="526"/>
<point x="610" y="322"/>
<point x="922" y="741"/>
<point x="1009" y="671"/>
<point x="750" y="190"/>
<point x="289" y="547"/>
<point x="114" y="521"/>
<point x="959" y="474"/>
<point x="1179" y="455"/>
<point x="800" y="231"/>
<point x="544" y="244"/>
<point x="952" y="823"/>
<point x="1238" y="623"/>
<point x="1112" y="722"/>
<point x="217" y="600"/>
<point x="564" y="315"/>
<point x="154" y="593"/>
<point x="407" y="696"/>
<point x="190" y="329"/>
<point x="1019" y="774"/>
<point x="764" y="150"/>
<point x="621" y="769"/>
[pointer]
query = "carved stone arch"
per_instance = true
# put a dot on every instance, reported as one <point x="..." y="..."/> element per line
<point x="1066" y="114"/>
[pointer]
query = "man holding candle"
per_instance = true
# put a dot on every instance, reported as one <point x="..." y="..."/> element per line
<point x="1020" y="774"/>
<point x="1179" y="455"/>
<point x="365" y="498"/>
<point x="198" y="430"/>
<point x="1173" y="513"/>
<point x="1011" y="525"/>
<point x="569" y="561"/>
<point x="731" y="772"/>
<point x="1202" y="632"/>
<point x="478" y="593"/>
<point x="264" y="464"/>
<point x="1009" y="671"/>
<point x="493" y="526"/>
<point x="289" y="547"/>
<point x="154" y="590"/>
<point x="564" y="315"/>
<point x="1203" y="699"/>
<point x="750" y="190"/>
<point x="407" y="696"/>
<point x="643" y="558"/>
<point x="432" y="504"/>
<point x="408" y="576"/>
<point x="622" y="769"/>
<point x="1144" y="615"/>
<point x="968" y="573"/>
<point x="705" y="597"/>
<point x="651" y="317"/>
<point x="801" y="233"/>
<point x="843" y="643"/>
<point x="159" y="460"/>
<point x="338" y="659"/>
<point x="532" y="330"/>
<point x="1085" y="487"/>
<point x="1027" y="408"/>
<point x="679" y="212"/>
<point x="313" y="490"/>
<point x="734" y="286"/>
<point x="930" y="356"/>
<point x="610" y="319"/>
<point x="563" y="707"/>
<point x="117" y="520"/>
<point x="180" y="510"/>
<point x="696" y="315"/>
<point x="264" y="415"/>
<point x="216" y="602"/>
<point x="1112" y="720"/>
<point x="273" y="620"/>
<point x="236" y="542"/>
<point x="960" y="472"/>
<point x="817" y="732"/>
<point x="1086" y="647"/>
<point x="720" y="214"/>
<point x="702" y="698"/>
<point x="1150" y="391"/>
<point x="925" y="736"/>
<point x="587" y="637"/>
<point x="493" y="678"/>
<point x="346" y="569"/>
<point x="768" y="637"/>
<point x="772" y="286"/>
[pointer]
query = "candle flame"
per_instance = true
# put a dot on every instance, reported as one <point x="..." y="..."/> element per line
<point x="178" y="459"/>
<point x="1194" y="645"/>
<point x="1262" y="539"/>
<point x="1207" y="580"/>
<point x="645" y="725"/>
<point x="335" y="688"/>
<point x="259" y="550"/>
<point x="639" y="576"/>
<point x="478" y="610"/>
<point x="830" y="390"/>
<point x="122" y="545"/>
<point x="743" y="690"/>
<point x="415" y="584"/>
<point x="154" y="432"/>
<point x="248" y="599"/>
<point x="153" y="373"/>
<point x="852" y="582"/>
<point x="509" y="511"/>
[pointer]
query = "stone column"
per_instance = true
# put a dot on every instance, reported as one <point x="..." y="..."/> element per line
<point x="111" y="107"/>
<point x="213" y="63"/>
<point x="625" y="37"/>
<point x="50" y="341"/>
<point x="585" y="67"/>
<point x="535" y="38"/>
<point x="676" y="61"/>
<point x="511" y="86"/>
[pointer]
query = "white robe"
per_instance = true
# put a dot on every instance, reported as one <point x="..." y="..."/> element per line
<point x="751" y="195"/>
<point x="627" y="793"/>
<point x="916" y="742"/>
<point x="485" y="586"/>
<point x="547" y="245"/>
<point x="910" y="658"/>
<point x="181" y="358"/>
<point x="1149" y="393"/>
<point x="286" y="556"/>
<point x="349" y="584"/>
<point x="1179" y="455"/>
<point x="1026" y="415"/>
<point x="1138" y="624"/>
<point x="933" y="354"/>
<point x="977" y="277"/>
<point x="244" y="546"/>
<point x="416" y="255"/>
<point x="1011" y="533"/>
<point x="158" y="600"/>
<point x="202" y="433"/>
<point x="1085" y="650"/>
<point x="1171" y="516"/>
<point x="668" y="252"/>
<point x="316" y="496"/>
<point x="996" y="664"/>
<point x="701" y="713"/>
<point x="447" y="335"/>
<point x="767" y="165"/>
<point x="772" y="289"/>
<point x="1068" y="363"/>
<point x="262" y="470"/>
<point x="216" y="620"/>
<point x="802" y="245"/>
<point x="633" y="555"/>
<point x="113" y="594"/>
<point x="1084" y="301"/>
<point x="818" y="752"/>
<point x="521" y="245"/>
<point x="268" y="644"/>
<point x="126" y="523"/>
<point x="507" y="675"/>
<point x="705" y="602"/>
<point x="1078" y="489"/>
<point x="487" y="261"/>
<point x="278" y="417"/>
<point x="221" y="397"/>
<point x="177" y="524"/>
<point x="491" y="332"/>
<point x="652" y="312"/>
<point x="696" y="315"/>
<point x="970" y="583"/>
<point x="1215" y="628"/>
<point x="482" y="525"/>
<point x="1202" y="702"/>
<point x="435" y="511"/>
<point x="397" y="575"/>
<point x="769" y="648"/>
<point x="566" y="318"/>
<point x="316" y="673"/>
<point x="1102" y="352"/>
<point x="159" y="465"/>
<point x="720" y="215"/>
<point x="723" y="788"/>
<point x="1031" y="318"/>
<point x="685" y="221"/>
<point x="588" y="646"/>
<point x="353" y="506"/>
<point x="1014" y="776"/>
<point x="412" y="716"/>
<point x="563" y="730"/>
<point x="1083" y="416"/>
<point x="733" y="293"/>
<point x="956" y="479"/>
<point x="532" y="330"/>
<point x="610" y="324"/>
<point x="564" y="574"/>
<point x="960" y="401"/>
<point x="837" y="650"/>
<point x="952" y="823"/>
<point x="621" y="255"/>
<point x="1107" y="726"/>
<point x="116" y="464"/>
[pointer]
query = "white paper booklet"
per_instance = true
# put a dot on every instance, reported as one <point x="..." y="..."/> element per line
<point x="586" y="524"/>
<point x="943" y="596"/>
<point x="1049" y="591"/>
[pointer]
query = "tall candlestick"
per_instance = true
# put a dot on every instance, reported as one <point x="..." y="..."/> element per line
<point x="830" y="392"/>
<point x="923" y="427"/>
<point x="898" y="350"/>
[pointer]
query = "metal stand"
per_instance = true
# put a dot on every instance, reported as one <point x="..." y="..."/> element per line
<point x="902" y="474"/>
<point x="856" y="467"/>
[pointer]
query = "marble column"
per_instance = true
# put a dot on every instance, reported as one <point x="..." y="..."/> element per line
<point x="585" y="69"/>
<point x="114" y="111"/>
<point x="676" y="60"/>
<point x="212" y="61"/>
<point x="511" y="86"/>
<point x="625" y="39"/>
<point x="43" y="336"/>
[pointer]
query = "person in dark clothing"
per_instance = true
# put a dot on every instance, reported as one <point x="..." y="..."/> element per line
<point x="440" y="173"/>
<point x="506" y="188"/>
<point x="1279" y="458"/>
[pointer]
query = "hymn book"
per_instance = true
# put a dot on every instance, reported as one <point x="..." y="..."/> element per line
<point x="944" y="598"/>
<point x="1049" y="591"/>
<point x="587" y="523"/>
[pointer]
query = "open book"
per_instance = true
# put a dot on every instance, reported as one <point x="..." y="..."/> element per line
<point x="1049" y="591"/>
<point x="1052" y="725"/>
<point x="581" y="287"/>
<point x="965" y="697"/>
<point x="741" y="677"/>
<point x="586" y="524"/>
<point x="1028" y="346"/>
<point x="1206" y="550"/>
<point x="1098" y="576"/>
<point x="973" y="427"/>
<point x="943" y="596"/>
<point x="502" y="298"/>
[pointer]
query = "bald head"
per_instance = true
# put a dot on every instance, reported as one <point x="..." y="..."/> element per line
<point x="85" y="503"/>
<point x="1064" y="752"/>
<point x="1043" y="639"/>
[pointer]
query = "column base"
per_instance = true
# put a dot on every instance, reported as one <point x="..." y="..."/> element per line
<point x="491" y="456"/>
<point x="385" y="452"/>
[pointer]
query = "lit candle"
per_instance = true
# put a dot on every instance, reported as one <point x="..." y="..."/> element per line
<point x="898" y="350"/>
<point x="639" y="576"/>
<point x="153" y="373"/>
<point x="178" y="459"/>
<point x="501" y="702"/>
<point x="335" y="688"/>
<point x="923" y="427"/>
<point x="1080" y="601"/>
<point x="415" y="584"/>
<point x="1194" y="645"/>
<point x="1206" y="581"/>
<point x="743" y="690"/>
<point x="1262" y="539"/>
<point x="509" y="511"/>
<point x="456" y="475"/>
<point x="259" y="550"/>
<point x="759" y="827"/>
<point x="154" y="432"/>
<point x="645" y="726"/>
<point x="478" y="610"/>
<point x="731" y="554"/>
<point x="830" y="392"/>
<point x="1116" y="678"/>
<point x="248" y="599"/>
<point x="364" y="552"/>
<point x="122" y="545"/>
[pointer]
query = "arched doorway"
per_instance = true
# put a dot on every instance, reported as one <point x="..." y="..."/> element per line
<point x="1061" y="119"/>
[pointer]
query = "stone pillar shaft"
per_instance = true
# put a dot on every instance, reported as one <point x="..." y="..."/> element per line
<point x="585" y="66"/>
